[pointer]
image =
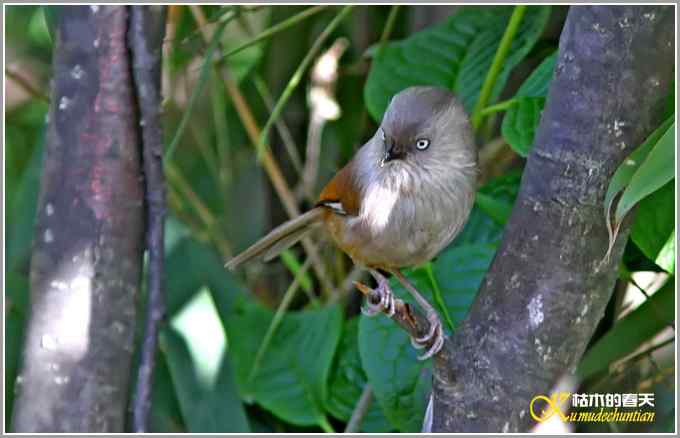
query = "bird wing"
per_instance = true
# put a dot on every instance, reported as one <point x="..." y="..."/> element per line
<point x="342" y="194"/>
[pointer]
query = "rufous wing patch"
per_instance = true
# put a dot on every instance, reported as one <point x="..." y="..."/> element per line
<point x="344" y="190"/>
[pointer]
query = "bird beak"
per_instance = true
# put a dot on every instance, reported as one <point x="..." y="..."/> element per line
<point x="393" y="151"/>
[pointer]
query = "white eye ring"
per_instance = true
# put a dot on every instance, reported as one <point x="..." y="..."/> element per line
<point x="422" y="144"/>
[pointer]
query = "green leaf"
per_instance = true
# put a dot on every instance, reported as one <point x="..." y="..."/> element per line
<point x="627" y="334"/>
<point x="624" y="174"/>
<point x="454" y="55"/>
<point x="656" y="170"/>
<point x="655" y="222"/>
<point x="292" y="378"/>
<point x="538" y="82"/>
<point x="38" y="29"/>
<point x="191" y="265"/>
<point x="520" y="123"/>
<point x="200" y="325"/>
<point x="205" y="409"/>
<point x="401" y="383"/>
<point x="347" y="381"/>
<point x="497" y="210"/>
<point x="16" y="292"/>
<point x="624" y="177"/>
<point x="14" y="332"/>
<point x="21" y="215"/>
<point x="459" y="272"/>
<point x="485" y="226"/>
<point x="521" y="120"/>
<point x="166" y="414"/>
<point x="666" y="256"/>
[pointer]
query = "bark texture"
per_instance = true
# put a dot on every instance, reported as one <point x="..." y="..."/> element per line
<point x="88" y="244"/>
<point x="548" y="285"/>
<point x="147" y="28"/>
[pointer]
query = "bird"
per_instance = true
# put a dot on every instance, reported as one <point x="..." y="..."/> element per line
<point x="403" y="197"/>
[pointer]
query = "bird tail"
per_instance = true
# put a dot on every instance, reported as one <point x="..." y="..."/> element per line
<point x="279" y="239"/>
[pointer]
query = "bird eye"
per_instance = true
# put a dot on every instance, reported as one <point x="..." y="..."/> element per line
<point x="422" y="144"/>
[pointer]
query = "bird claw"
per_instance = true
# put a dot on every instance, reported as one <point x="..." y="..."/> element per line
<point x="434" y="336"/>
<point x="385" y="303"/>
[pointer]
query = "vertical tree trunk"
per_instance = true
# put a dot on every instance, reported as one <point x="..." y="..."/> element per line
<point x="88" y="245"/>
<point x="548" y="285"/>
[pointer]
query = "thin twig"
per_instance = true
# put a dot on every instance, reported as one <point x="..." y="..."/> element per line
<point x="297" y="75"/>
<point x="347" y="285"/>
<point x="281" y="127"/>
<point x="13" y="73"/>
<point x="268" y="162"/>
<point x="285" y="24"/>
<point x="387" y="30"/>
<point x="213" y="44"/>
<point x="145" y="37"/>
<point x="497" y="64"/>
<point x="360" y="410"/>
<point x="202" y="211"/>
<point x="266" y="96"/>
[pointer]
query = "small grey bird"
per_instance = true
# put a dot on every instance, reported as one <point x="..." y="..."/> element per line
<point x="403" y="197"/>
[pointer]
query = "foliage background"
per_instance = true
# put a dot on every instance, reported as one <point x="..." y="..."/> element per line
<point x="268" y="348"/>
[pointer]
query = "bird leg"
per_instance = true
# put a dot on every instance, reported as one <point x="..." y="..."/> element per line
<point x="434" y="336"/>
<point x="386" y="301"/>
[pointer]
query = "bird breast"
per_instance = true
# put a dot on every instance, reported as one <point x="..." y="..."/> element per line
<point x="406" y="218"/>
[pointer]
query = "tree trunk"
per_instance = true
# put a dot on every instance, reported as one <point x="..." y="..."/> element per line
<point x="88" y="245"/>
<point x="549" y="284"/>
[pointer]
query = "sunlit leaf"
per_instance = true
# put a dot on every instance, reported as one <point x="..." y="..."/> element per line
<point x="215" y="408"/>
<point x="653" y="229"/>
<point x="656" y="170"/>
<point x="627" y="334"/>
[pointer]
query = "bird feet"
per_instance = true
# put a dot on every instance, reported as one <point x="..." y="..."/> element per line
<point x="385" y="301"/>
<point x="434" y="337"/>
<point x="382" y="300"/>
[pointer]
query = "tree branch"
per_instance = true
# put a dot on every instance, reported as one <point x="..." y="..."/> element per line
<point x="147" y="25"/>
<point x="87" y="251"/>
<point x="548" y="285"/>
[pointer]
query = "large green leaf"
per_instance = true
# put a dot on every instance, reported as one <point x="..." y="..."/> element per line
<point x="291" y="380"/>
<point x="459" y="272"/>
<point x="655" y="224"/>
<point x="347" y="381"/>
<point x="521" y="119"/>
<point x="627" y="334"/>
<point x="455" y="55"/>
<point x="399" y="380"/>
<point x="214" y="408"/>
